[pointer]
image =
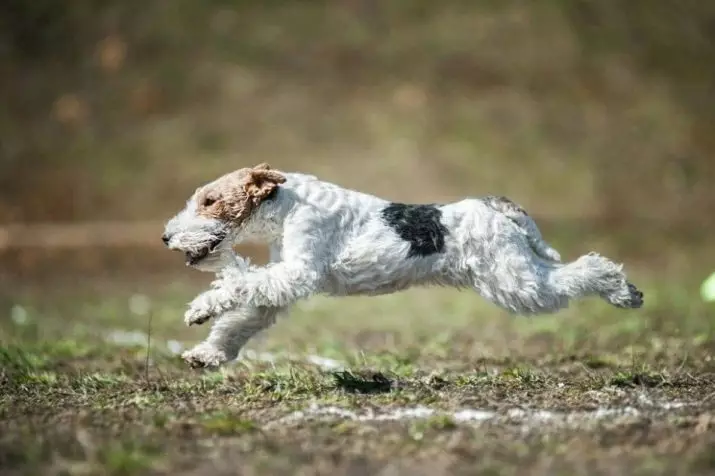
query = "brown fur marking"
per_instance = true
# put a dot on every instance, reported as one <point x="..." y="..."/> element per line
<point x="235" y="195"/>
<point x="504" y="205"/>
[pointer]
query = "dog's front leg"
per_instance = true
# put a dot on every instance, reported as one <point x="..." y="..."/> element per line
<point x="276" y="285"/>
<point x="298" y="275"/>
<point x="207" y="301"/>
<point x="229" y="334"/>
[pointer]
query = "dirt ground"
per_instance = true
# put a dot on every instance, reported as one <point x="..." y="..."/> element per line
<point x="424" y="382"/>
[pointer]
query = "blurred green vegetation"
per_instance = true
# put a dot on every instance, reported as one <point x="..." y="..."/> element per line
<point x="572" y="107"/>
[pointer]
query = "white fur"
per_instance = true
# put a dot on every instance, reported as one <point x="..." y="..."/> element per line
<point x="325" y="239"/>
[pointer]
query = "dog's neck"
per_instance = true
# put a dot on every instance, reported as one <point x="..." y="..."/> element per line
<point x="265" y="225"/>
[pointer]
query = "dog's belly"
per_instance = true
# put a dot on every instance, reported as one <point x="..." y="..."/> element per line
<point x="374" y="283"/>
<point x="365" y="289"/>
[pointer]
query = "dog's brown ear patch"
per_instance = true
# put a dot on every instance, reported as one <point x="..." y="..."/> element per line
<point x="261" y="182"/>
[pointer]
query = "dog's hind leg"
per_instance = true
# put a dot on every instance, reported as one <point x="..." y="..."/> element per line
<point x="528" y="226"/>
<point x="595" y="275"/>
<point x="520" y="281"/>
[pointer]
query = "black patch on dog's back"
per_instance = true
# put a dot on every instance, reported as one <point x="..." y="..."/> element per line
<point x="419" y="225"/>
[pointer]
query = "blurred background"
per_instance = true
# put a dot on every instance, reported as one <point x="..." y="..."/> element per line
<point x="598" y="116"/>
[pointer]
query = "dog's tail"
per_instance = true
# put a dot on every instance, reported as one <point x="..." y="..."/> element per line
<point x="519" y="216"/>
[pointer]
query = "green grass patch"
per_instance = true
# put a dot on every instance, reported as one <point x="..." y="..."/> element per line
<point x="224" y="424"/>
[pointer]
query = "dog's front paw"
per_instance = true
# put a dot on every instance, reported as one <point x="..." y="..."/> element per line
<point x="204" y="355"/>
<point x="200" y="310"/>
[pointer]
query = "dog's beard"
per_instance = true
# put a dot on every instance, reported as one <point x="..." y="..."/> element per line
<point x="211" y="259"/>
<point x="212" y="262"/>
<point x="195" y="257"/>
<point x="207" y="251"/>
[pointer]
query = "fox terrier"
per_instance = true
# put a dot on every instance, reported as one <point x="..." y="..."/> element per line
<point x="325" y="239"/>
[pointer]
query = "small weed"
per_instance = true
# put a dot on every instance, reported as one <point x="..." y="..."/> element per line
<point x="127" y="458"/>
<point x="521" y="375"/>
<point x="41" y="378"/>
<point x="282" y="385"/>
<point x="402" y="365"/>
<point x="143" y="400"/>
<point x="638" y="379"/>
<point x="212" y="379"/>
<point x="345" y="427"/>
<point x="440" y="422"/>
<point x="435" y="382"/>
<point x="476" y="379"/>
<point x="419" y="429"/>
<point x="353" y="383"/>
<point x="596" y="362"/>
<point x="161" y="419"/>
<point x="17" y="361"/>
<point x="67" y="349"/>
<point x="222" y="423"/>
<point x="98" y="381"/>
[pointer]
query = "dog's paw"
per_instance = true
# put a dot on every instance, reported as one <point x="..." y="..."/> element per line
<point x="203" y="356"/>
<point x="628" y="297"/>
<point x="200" y="310"/>
<point x="636" y="297"/>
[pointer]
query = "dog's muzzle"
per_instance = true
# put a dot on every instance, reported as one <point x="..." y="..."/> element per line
<point x="195" y="256"/>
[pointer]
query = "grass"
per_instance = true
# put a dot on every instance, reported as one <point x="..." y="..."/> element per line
<point x="76" y="400"/>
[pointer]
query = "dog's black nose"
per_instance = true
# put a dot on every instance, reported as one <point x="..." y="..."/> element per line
<point x="165" y="238"/>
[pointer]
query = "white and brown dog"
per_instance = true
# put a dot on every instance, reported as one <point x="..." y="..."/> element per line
<point x="327" y="239"/>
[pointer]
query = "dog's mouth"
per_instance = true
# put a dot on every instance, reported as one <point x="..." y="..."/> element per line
<point x="196" y="256"/>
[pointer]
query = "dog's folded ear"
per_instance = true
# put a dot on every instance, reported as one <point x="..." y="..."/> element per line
<point x="261" y="182"/>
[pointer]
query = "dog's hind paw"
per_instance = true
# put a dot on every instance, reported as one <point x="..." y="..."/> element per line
<point x="630" y="298"/>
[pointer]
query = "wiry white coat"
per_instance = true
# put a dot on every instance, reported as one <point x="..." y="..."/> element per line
<point x="325" y="239"/>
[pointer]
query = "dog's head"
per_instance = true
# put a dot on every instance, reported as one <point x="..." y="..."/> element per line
<point x="215" y="214"/>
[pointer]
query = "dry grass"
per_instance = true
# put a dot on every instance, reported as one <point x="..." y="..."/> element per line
<point x="77" y="401"/>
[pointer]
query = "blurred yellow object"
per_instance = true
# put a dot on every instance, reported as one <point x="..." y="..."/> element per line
<point x="707" y="289"/>
<point x="112" y="52"/>
<point x="70" y="109"/>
